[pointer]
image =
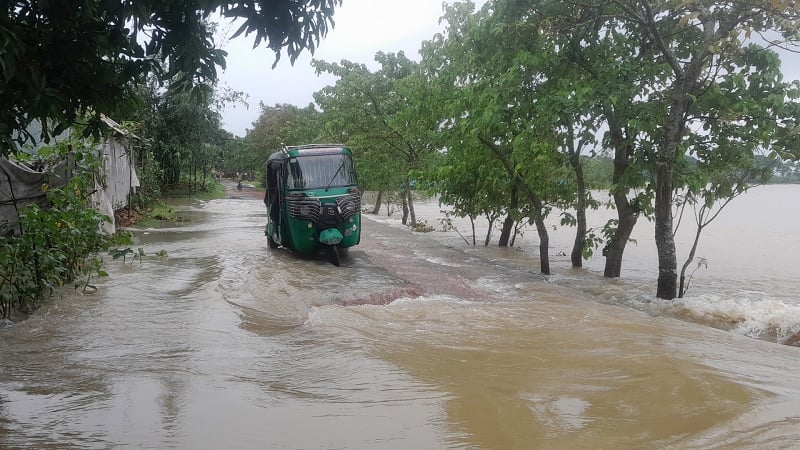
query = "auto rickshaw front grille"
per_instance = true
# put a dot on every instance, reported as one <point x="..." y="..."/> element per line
<point x="349" y="205"/>
<point x="304" y="208"/>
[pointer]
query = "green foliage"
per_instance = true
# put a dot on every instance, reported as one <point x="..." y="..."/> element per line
<point x="591" y="243"/>
<point x="118" y="253"/>
<point x="277" y="126"/>
<point x="598" y="172"/>
<point x="488" y="85"/>
<point x="722" y="101"/>
<point x="421" y="227"/>
<point x="161" y="211"/>
<point x="150" y="177"/>
<point x="59" y="60"/>
<point x="58" y="245"/>
<point x="121" y="237"/>
<point x="138" y="255"/>
<point x="782" y="171"/>
<point x="386" y="116"/>
<point x="180" y="140"/>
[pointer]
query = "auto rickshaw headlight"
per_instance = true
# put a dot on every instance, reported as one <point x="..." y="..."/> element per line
<point x="310" y="225"/>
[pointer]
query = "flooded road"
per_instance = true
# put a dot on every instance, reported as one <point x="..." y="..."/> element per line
<point x="411" y="344"/>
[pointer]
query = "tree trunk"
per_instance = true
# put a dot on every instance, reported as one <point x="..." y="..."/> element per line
<point x="544" y="243"/>
<point x="490" y="218"/>
<point x="408" y="207"/>
<point x="377" y="207"/>
<point x="514" y="235"/>
<point x="505" y="232"/>
<point x="411" y="212"/>
<point x="508" y="224"/>
<point x="405" y="205"/>
<point x="627" y="214"/>
<point x="580" y="238"/>
<point x="615" y="247"/>
<point x="472" y="222"/>
<point x="580" y="210"/>
<point x="665" y="241"/>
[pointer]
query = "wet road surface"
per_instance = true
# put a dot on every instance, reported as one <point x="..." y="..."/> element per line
<point x="224" y="343"/>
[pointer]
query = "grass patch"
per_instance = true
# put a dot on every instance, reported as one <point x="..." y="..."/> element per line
<point x="164" y="209"/>
<point x="186" y="190"/>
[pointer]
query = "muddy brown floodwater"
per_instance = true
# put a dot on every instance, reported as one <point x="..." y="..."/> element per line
<point x="410" y="344"/>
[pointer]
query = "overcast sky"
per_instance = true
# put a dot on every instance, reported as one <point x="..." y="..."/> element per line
<point x="363" y="27"/>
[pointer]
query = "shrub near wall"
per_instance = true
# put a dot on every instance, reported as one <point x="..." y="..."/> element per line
<point x="57" y="245"/>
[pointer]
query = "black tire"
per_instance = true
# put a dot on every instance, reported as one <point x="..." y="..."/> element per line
<point x="271" y="242"/>
<point x="333" y="255"/>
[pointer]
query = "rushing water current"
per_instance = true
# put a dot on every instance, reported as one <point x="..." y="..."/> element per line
<point x="416" y="342"/>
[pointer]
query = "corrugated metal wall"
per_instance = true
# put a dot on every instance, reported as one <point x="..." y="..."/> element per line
<point x="20" y="185"/>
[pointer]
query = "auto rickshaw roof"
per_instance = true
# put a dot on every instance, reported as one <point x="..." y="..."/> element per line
<point x="310" y="149"/>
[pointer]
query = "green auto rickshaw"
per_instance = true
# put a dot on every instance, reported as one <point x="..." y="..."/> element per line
<point x="313" y="200"/>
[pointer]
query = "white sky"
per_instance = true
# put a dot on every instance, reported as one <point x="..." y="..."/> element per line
<point x="363" y="28"/>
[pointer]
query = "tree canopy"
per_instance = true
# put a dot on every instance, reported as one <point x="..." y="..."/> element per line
<point x="387" y="113"/>
<point x="60" y="59"/>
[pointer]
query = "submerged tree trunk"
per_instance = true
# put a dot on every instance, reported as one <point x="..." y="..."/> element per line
<point x="580" y="207"/>
<point x="615" y="247"/>
<point x="508" y="224"/>
<point x="505" y="232"/>
<point x="490" y="218"/>
<point x="580" y="237"/>
<point x="514" y="235"/>
<point x="411" y="212"/>
<point x="378" y="202"/>
<point x="544" y="243"/>
<point x="627" y="214"/>
<point x="665" y="240"/>
<point x="472" y="223"/>
<point x="408" y="203"/>
<point x="404" y="199"/>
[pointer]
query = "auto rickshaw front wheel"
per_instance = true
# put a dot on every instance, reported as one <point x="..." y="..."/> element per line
<point x="271" y="242"/>
<point x="333" y="255"/>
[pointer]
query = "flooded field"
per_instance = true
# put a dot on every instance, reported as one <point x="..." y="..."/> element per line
<point x="411" y="344"/>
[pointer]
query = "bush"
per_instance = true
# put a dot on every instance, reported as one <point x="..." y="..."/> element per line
<point x="57" y="245"/>
<point x="150" y="177"/>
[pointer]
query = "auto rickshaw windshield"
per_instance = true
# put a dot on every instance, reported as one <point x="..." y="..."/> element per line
<point x="321" y="171"/>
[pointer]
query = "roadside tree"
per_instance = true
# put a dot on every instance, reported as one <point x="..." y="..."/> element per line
<point x="489" y="86"/>
<point x="704" y="43"/>
<point x="277" y="126"/>
<point x="744" y="115"/>
<point x="385" y="115"/>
